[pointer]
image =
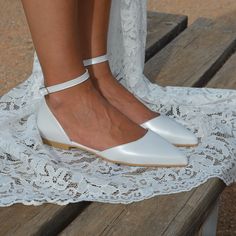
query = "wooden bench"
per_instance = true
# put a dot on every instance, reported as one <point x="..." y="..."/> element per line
<point x="177" y="56"/>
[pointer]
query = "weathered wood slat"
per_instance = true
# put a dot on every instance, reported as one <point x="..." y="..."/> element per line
<point x="139" y="218"/>
<point x="193" y="214"/>
<point x="162" y="28"/>
<point x="46" y="219"/>
<point x="158" y="215"/>
<point x="49" y="219"/>
<point x="193" y="57"/>
<point x="161" y="215"/>
<point x="226" y="76"/>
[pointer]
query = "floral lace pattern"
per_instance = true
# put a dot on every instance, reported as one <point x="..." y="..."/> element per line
<point x="32" y="173"/>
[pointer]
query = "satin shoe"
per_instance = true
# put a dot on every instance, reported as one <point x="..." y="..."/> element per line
<point x="149" y="150"/>
<point x="172" y="131"/>
<point x="166" y="127"/>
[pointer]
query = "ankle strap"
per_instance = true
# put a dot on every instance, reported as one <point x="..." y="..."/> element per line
<point x="95" y="60"/>
<point x="51" y="89"/>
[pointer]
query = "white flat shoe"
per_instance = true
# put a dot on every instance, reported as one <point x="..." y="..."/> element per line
<point x="149" y="150"/>
<point x="172" y="131"/>
<point x="166" y="127"/>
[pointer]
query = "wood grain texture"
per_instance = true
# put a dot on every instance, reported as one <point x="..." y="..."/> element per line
<point x="174" y="214"/>
<point x="46" y="219"/>
<point x="140" y="218"/>
<point x="193" y="57"/>
<point x="190" y="218"/>
<point x="226" y="76"/>
<point x="162" y="28"/>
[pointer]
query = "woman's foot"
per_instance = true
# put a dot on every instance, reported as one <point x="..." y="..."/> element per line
<point x="90" y="120"/>
<point x="118" y="95"/>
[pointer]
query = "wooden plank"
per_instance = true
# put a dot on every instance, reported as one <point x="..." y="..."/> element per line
<point x="226" y="76"/>
<point x="46" y="219"/>
<point x="139" y="218"/>
<point x="158" y="215"/>
<point x="190" y="218"/>
<point x="49" y="219"/>
<point x="181" y="214"/>
<point x="162" y="28"/>
<point x="209" y="226"/>
<point x="193" y="57"/>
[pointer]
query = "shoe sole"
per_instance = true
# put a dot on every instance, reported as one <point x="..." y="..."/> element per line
<point x="67" y="147"/>
<point x="186" y="145"/>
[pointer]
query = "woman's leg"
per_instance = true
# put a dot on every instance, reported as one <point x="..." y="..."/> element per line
<point x="93" y="34"/>
<point x="84" y="114"/>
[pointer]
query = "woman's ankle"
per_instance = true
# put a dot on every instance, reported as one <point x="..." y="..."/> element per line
<point x="60" y="74"/>
<point x="75" y="93"/>
<point x="100" y="70"/>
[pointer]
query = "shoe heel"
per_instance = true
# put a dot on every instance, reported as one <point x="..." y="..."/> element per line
<point x="56" y="145"/>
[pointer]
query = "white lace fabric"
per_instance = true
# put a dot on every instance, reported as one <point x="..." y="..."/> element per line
<point x="33" y="173"/>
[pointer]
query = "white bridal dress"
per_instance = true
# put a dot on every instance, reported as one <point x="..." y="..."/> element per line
<point x="32" y="173"/>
